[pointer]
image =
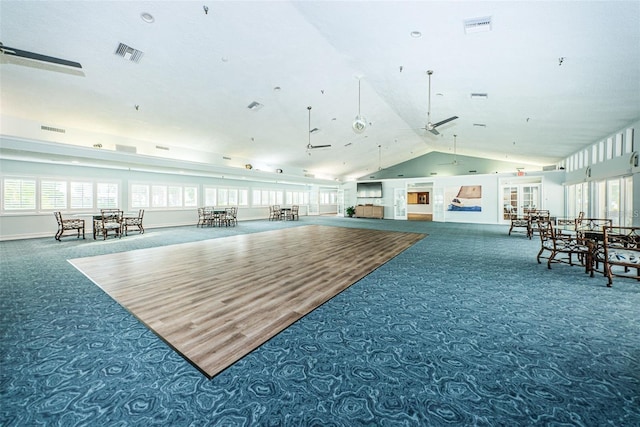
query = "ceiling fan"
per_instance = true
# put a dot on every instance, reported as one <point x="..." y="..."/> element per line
<point x="6" y="50"/>
<point x="455" y="161"/>
<point x="309" y="146"/>
<point x="431" y="127"/>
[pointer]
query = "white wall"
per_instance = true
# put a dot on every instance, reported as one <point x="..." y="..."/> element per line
<point x="29" y="224"/>
<point x="492" y="209"/>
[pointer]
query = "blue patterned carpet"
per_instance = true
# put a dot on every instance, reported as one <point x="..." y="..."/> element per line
<point x="463" y="328"/>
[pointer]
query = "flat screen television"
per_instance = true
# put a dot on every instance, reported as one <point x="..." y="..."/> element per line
<point x="369" y="189"/>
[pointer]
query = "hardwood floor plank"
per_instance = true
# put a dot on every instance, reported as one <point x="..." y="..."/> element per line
<point x="214" y="301"/>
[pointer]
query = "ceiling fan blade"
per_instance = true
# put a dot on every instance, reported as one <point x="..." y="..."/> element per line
<point x="38" y="57"/>
<point x="433" y="130"/>
<point x="320" y="146"/>
<point x="445" y="121"/>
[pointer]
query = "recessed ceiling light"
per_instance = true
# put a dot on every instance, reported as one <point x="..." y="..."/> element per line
<point x="277" y="88"/>
<point x="416" y="34"/>
<point x="147" y="17"/>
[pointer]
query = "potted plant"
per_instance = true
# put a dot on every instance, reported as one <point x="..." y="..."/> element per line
<point x="351" y="211"/>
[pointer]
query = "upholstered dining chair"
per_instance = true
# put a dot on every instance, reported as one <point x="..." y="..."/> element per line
<point x="295" y="212"/>
<point x="275" y="214"/>
<point x="519" y="222"/>
<point x="133" y="221"/>
<point x="534" y="217"/>
<point x="563" y="247"/>
<point x="68" y="224"/>
<point x="110" y="222"/>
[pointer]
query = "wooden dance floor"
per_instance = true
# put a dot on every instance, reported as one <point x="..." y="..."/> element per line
<point x="215" y="301"/>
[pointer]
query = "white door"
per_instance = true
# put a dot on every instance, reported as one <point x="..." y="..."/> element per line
<point x="399" y="203"/>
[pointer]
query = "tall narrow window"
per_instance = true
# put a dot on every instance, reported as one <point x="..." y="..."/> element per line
<point x="139" y="196"/>
<point x="159" y="196"/>
<point x="81" y="195"/>
<point x="190" y="197"/>
<point x="210" y="198"/>
<point x="174" y="197"/>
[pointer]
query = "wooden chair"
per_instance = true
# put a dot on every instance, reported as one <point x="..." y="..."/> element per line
<point x="534" y="217"/>
<point x="110" y="222"/>
<point x="592" y="229"/>
<point x="518" y="222"/>
<point x="295" y="209"/>
<point x="620" y="252"/>
<point x="68" y="224"/>
<point x="275" y="214"/>
<point x="233" y="211"/>
<point x="562" y="247"/>
<point x="133" y="221"/>
<point x="205" y="216"/>
<point x="227" y="217"/>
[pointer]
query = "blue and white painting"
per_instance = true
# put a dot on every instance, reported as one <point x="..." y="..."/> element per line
<point x="466" y="198"/>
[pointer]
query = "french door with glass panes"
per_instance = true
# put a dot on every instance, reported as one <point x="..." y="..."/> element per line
<point x="518" y="197"/>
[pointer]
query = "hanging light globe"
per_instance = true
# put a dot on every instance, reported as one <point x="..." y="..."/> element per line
<point x="359" y="124"/>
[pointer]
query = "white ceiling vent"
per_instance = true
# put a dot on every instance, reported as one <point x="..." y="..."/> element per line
<point x="129" y="53"/>
<point x="52" y="129"/>
<point x="477" y="95"/>
<point x="477" y="25"/>
<point x="126" y="148"/>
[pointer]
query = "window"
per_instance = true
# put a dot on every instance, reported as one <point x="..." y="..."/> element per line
<point x="233" y="197"/>
<point x="223" y="197"/>
<point x="243" y="197"/>
<point x="210" y="198"/>
<point x="295" y="197"/>
<point x="107" y="195"/>
<point x="158" y="196"/>
<point x="256" y="197"/>
<point x="628" y="141"/>
<point x="190" y="197"/>
<point x="19" y="194"/>
<point x="328" y="197"/>
<point x="174" y="197"/>
<point x="53" y="195"/>
<point x="618" y="145"/>
<point x="139" y="196"/>
<point x="81" y="195"/>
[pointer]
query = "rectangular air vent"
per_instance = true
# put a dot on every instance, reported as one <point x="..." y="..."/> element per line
<point x="479" y="95"/>
<point x="52" y="129"/>
<point x="129" y="53"/>
<point x="226" y="158"/>
<point x="126" y="148"/>
<point x="480" y="125"/>
<point x="160" y="147"/>
<point x="254" y="106"/>
<point x="477" y="25"/>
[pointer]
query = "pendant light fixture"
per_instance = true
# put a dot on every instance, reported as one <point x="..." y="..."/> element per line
<point x="360" y="123"/>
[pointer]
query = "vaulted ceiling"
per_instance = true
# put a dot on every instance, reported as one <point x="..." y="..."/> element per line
<point x="557" y="76"/>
